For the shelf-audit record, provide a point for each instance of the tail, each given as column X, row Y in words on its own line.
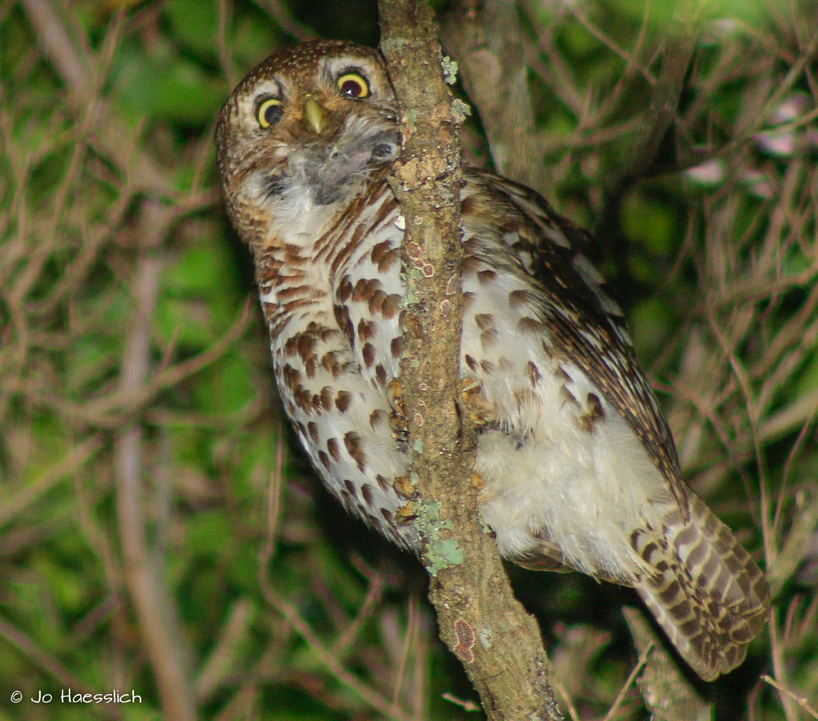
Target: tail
column 705, row 591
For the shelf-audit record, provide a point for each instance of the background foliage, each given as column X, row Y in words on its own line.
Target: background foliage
column 159, row 530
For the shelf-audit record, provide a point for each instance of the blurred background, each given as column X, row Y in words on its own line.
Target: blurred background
column 161, row 532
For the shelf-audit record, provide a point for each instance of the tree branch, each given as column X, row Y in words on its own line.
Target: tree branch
column 669, row 695
column 486, row 38
column 152, row 604
column 485, row 626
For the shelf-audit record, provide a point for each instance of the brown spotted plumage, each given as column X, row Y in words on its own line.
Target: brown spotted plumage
column 575, row 459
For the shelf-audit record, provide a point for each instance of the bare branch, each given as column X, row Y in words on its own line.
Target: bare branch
column 282, row 15
column 679, row 43
column 152, row 603
column 487, row 40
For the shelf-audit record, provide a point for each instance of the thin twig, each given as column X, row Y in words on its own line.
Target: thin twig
column 282, row 15
column 222, row 658
column 408, row 643
column 53, row 667
column 620, row 697
column 31, row 492
column 57, row 43
column 800, row 700
column 326, row 655
column 373, row 597
column 274, row 493
column 110, row 411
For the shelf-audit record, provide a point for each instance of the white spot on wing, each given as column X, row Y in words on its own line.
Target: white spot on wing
column 558, row 237
column 587, row 270
column 268, row 297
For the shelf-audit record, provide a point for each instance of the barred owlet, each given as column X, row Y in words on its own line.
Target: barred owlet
column 579, row 465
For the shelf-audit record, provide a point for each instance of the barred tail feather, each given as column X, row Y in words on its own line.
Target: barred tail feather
column 704, row 589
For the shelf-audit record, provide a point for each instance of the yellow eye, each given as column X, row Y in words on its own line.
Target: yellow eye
column 269, row 112
column 353, row 85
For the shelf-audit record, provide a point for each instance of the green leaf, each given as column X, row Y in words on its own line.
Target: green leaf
column 649, row 222
column 165, row 86
column 650, row 323
column 196, row 24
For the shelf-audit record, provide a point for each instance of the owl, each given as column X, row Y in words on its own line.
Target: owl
column 577, row 460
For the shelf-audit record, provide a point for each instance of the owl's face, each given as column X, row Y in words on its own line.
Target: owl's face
column 304, row 131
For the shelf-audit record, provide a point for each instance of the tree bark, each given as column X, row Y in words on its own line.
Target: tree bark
column 480, row 620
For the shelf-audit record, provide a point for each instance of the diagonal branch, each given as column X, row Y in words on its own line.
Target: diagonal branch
column 498, row 643
column 486, row 38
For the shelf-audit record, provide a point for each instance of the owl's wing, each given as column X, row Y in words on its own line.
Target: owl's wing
column 587, row 325
column 703, row 588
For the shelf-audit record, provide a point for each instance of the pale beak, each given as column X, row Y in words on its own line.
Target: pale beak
column 316, row 114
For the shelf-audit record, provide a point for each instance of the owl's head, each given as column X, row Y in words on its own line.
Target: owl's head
column 304, row 131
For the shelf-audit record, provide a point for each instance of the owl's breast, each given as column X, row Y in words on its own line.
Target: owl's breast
column 332, row 307
column 364, row 257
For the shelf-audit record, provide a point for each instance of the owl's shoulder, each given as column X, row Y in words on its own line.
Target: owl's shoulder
column 513, row 201
column 556, row 253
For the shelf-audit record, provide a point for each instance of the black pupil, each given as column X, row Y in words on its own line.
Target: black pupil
column 272, row 113
column 353, row 88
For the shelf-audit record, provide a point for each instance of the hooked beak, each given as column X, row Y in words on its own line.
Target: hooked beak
column 316, row 114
